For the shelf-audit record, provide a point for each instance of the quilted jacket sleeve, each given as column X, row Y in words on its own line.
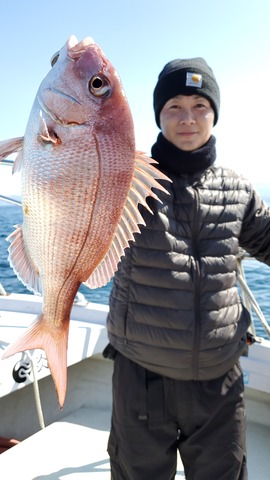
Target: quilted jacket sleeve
column 255, row 233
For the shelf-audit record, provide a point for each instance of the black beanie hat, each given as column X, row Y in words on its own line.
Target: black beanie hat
column 186, row 77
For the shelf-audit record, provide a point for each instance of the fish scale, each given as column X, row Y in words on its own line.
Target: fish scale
column 82, row 181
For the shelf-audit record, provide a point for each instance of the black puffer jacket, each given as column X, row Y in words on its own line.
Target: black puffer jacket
column 174, row 306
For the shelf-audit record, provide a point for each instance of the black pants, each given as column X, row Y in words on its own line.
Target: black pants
column 154, row 416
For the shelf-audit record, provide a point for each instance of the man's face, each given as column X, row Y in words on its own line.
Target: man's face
column 187, row 121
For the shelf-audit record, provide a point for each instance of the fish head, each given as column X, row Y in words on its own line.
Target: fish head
column 83, row 88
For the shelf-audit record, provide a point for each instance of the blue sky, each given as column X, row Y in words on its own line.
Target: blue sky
column 139, row 37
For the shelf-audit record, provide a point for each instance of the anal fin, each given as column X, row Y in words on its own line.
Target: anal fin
column 21, row 263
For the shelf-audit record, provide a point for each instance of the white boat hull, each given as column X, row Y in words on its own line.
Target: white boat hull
column 74, row 442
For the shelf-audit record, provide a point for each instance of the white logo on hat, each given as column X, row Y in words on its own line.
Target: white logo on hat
column 194, row 80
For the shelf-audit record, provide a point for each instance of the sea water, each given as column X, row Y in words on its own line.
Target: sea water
column 257, row 274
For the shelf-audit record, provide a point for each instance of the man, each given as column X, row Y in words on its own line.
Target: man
column 176, row 324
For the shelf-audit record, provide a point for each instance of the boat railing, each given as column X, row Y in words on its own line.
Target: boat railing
column 2, row 290
column 9, row 163
column 248, row 298
column 10, row 200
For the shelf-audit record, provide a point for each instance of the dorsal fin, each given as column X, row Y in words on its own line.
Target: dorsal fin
column 143, row 182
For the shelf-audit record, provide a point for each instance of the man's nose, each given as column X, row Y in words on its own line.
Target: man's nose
column 186, row 116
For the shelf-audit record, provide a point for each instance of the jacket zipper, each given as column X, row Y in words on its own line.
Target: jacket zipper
column 197, row 310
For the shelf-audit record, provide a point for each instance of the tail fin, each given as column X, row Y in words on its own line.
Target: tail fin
column 54, row 342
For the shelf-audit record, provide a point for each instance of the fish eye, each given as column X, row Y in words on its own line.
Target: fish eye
column 99, row 85
column 54, row 58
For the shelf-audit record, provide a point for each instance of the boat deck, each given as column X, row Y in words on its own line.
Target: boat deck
column 75, row 445
column 74, row 448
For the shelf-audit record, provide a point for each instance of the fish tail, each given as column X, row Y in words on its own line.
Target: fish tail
column 54, row 342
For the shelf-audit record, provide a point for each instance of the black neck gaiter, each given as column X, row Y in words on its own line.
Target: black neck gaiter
column 181, row 162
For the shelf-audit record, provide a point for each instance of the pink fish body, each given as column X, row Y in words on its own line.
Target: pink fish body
column 82, row 181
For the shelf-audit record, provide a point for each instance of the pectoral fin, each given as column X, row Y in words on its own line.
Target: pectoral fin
column 44, row 135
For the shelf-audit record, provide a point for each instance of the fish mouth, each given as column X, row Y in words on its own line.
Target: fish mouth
column 75, row 48
column 62, row 108
column 68, row 99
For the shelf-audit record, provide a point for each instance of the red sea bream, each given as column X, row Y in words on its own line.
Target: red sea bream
column 82, row 181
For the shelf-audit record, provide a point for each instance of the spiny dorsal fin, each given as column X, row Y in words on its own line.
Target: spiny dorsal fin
column 141, row 187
